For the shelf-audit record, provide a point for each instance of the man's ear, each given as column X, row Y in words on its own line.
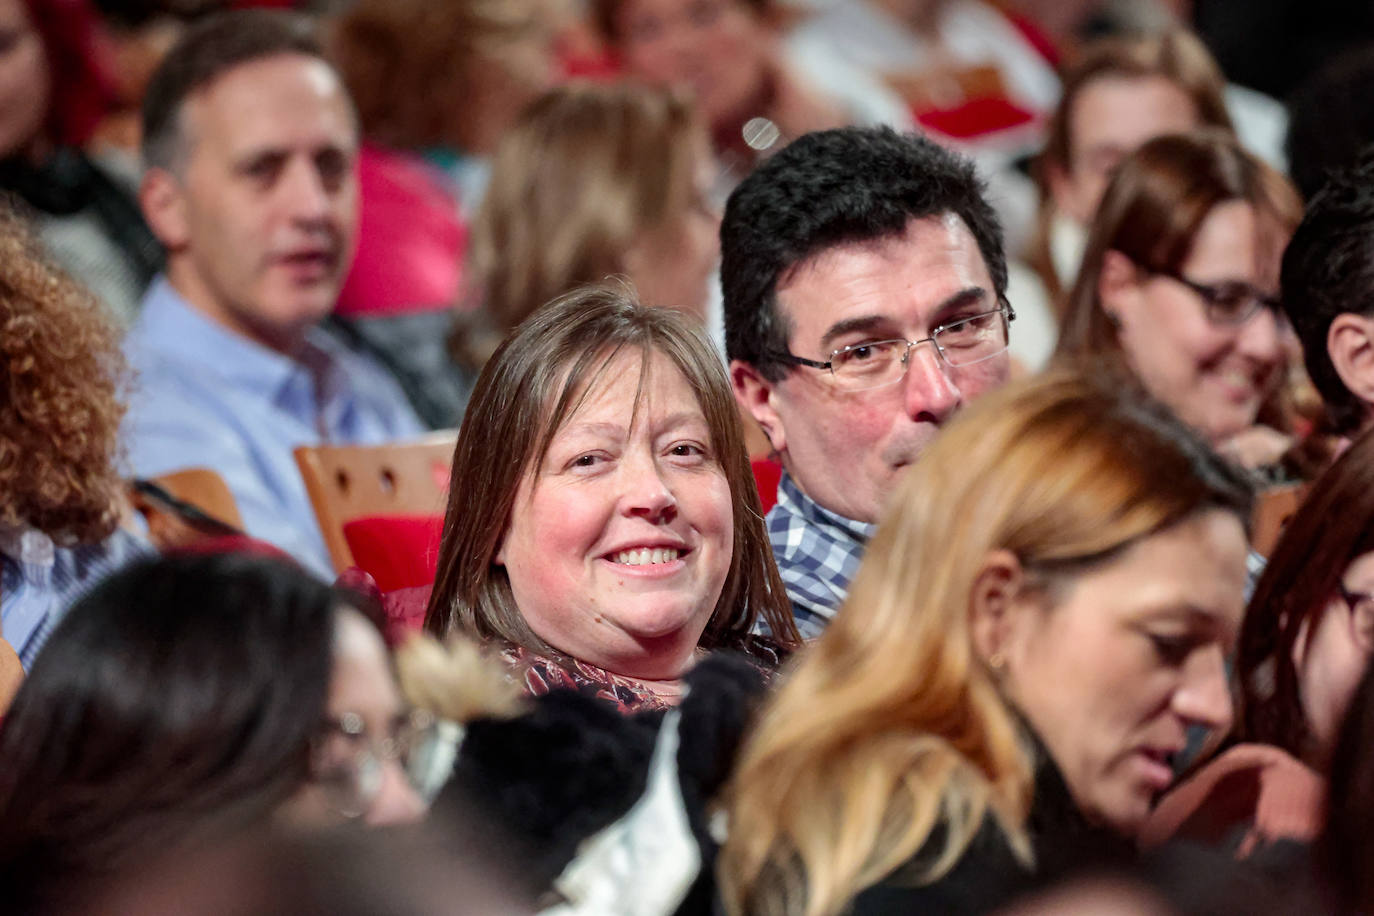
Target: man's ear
column 1350, row 345
column 163, row 202
column 994, row 602
column 757, row 396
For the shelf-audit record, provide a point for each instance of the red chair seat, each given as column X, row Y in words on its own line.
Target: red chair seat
column 767, row 474
column 399, row 551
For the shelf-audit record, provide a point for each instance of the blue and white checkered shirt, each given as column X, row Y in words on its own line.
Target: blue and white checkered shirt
column 818, row 553
column 39, row 581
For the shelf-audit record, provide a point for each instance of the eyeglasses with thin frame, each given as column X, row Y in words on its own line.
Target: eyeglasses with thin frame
column 1228, row 303
column 348, row 762
column 876, row 363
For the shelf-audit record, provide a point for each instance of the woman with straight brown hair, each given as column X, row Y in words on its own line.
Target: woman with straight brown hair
column 592, row 181
column 1117, row 94
column 603, row 526
column 1307, row 638
column 1176, row 291
column 1034, row 629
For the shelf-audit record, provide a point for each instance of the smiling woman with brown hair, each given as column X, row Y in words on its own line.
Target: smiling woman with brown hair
column 615, row 535
column 1177, row 291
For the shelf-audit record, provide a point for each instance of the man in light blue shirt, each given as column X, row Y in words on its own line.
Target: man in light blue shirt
column 250, row 144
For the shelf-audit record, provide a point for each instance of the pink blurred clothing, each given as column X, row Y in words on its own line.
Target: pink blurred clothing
column 411, row 239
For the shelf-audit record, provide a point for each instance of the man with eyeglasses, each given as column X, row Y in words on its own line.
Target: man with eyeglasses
column 864, row 286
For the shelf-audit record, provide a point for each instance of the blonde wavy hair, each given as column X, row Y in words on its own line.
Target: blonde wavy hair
column 891, row 724
column 584, row 174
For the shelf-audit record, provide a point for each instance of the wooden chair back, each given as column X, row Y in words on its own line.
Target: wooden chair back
column 209, row 510
column 352, row 481
column 11, row 676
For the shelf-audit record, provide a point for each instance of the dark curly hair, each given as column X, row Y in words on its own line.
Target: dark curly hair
column 1328, row 269
column 830, row 188
column 61, row 372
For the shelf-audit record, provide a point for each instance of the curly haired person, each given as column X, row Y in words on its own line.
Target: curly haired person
column 60, row 376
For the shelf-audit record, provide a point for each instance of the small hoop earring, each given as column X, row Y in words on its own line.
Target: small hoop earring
column 996, row 661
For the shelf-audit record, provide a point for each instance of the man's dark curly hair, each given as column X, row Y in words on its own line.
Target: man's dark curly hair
column 1328, row 269
column 827, row 189
column 61, row 371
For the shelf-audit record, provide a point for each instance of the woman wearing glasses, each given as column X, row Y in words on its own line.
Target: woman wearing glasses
column 1176, row 289
column 1307, row 638
column 1033, row 631
column 189, row 697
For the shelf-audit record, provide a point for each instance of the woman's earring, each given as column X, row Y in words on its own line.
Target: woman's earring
column 997, row 662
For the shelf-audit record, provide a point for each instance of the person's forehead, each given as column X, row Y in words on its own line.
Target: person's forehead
column 361, row 678
column 630, row 383
column 282, row 98
column 904, row 277
column 1125, row 110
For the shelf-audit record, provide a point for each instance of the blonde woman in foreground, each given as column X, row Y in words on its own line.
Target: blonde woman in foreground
column 1036, row 625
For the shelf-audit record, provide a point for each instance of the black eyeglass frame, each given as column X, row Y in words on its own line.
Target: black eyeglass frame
column 1212, row 293
column 1353, row 599
column 1004, row 308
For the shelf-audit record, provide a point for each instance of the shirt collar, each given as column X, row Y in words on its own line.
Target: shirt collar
column 28, row 547
column 175, row 325
column 791, row 497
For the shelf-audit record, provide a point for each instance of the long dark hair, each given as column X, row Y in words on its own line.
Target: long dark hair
column 1334, row 526
column 178, row 697
column 1345, row 851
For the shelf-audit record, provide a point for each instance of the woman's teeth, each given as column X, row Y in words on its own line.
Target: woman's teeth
column 645, row 556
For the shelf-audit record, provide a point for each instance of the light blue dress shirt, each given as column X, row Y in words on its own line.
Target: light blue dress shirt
column 39, row 581
column 204, row 396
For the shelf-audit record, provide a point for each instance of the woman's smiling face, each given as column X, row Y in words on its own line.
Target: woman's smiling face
column 1214, row 376
column 618, row 545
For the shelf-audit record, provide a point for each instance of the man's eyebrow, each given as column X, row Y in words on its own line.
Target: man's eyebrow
column 970, row 295
column 850, row 325
column 250, row 157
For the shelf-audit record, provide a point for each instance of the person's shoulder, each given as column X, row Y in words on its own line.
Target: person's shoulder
column 986, row 875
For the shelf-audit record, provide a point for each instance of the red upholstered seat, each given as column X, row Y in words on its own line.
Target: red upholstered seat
column 767, row 473
column 399, row 551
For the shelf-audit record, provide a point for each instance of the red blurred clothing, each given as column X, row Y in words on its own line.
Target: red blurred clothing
column 411, row 238
column 80, row 65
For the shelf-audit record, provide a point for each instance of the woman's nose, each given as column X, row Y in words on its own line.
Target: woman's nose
column 396, row 802
column 1205, row 696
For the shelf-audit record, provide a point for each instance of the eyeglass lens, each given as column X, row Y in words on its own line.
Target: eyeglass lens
column 959, row 343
